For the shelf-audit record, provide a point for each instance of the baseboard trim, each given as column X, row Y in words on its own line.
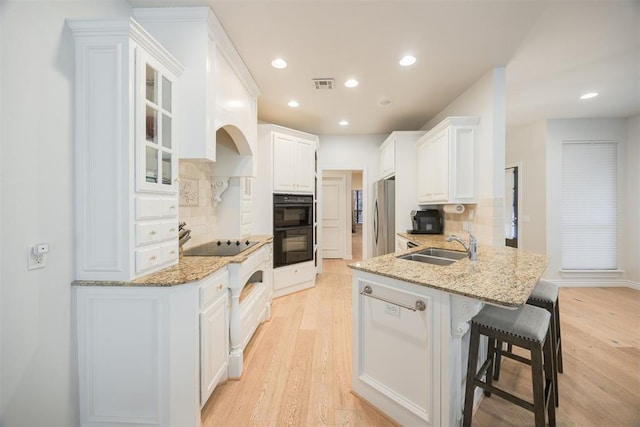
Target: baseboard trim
column 574, row 283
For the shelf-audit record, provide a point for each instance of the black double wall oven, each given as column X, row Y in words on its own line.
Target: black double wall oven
column 292, row 229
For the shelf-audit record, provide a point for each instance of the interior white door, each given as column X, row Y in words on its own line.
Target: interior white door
column 334, row 215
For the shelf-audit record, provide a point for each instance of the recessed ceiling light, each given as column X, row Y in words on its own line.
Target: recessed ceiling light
column 279, row 63
column 589, row 95
column 293, row 104
column 408, row 60
column 351, row 83
column 343, row 123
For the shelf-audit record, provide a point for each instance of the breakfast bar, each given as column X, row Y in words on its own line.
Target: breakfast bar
column 411, row 322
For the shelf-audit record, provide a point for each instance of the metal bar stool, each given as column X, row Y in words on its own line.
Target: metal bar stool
column 544, row 295
column 527, row 327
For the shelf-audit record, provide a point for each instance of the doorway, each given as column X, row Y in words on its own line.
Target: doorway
column 343, row 214
column 511, row 207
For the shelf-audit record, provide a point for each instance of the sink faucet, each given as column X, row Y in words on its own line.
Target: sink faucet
column 471, row 248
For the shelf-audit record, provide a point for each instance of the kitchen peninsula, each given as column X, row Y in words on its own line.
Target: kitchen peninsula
column 410, row 324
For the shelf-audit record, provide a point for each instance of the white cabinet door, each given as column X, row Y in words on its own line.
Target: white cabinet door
column 305, row 165
column 447, row 162
column 214, row 346
column 387, row 158
column 156, row 164
column 283, row 163
column 293, row 164
column 438, row 152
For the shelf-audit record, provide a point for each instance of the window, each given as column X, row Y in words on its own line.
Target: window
column 357, row 206
column 589, row 228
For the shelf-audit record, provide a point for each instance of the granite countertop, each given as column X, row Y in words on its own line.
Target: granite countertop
column 188, row 269
column 502, row 275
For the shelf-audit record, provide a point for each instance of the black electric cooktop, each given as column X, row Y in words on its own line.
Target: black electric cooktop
column 220, row 248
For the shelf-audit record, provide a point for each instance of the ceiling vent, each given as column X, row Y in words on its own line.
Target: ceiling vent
column 324, row 83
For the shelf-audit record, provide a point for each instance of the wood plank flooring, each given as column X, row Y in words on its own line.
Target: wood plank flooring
column 298, row 365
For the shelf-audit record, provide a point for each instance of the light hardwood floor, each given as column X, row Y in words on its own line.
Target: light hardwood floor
column 298, row 365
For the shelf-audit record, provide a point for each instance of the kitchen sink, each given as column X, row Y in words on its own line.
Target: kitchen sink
column 443, row 253
column 435, row 256
column 428, row 259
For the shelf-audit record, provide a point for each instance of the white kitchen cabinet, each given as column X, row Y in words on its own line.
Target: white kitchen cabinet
column 390, row 332
column 293, row 164
column 217, row 90
column 387, row 157
column 446, row 162
column 126, row 150
column 404, row 169
column 214, row 333
column 411, row 365
column 138, row 355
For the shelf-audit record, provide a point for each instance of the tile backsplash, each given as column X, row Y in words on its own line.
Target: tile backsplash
column 486, row 224
column 196, row 205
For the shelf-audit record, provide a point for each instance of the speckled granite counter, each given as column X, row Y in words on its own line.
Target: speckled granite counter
column 188, row 269
column 501, row 275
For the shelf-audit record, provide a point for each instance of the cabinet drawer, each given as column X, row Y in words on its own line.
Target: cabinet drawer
column 169, row 230
column 292, row 275
column 155, row 207
column 213, row 286
column 148, row 233
column 147, row 258
column 169, row 208
column 170, row 252
column 148, row 208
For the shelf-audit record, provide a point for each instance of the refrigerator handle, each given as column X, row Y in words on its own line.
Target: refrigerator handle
column 375, row 222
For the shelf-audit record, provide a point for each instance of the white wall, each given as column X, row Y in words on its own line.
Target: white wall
column 581, row 129
column 38, row 378
column 632, row 231
column 485, row 99
column 526, row 148
column 2, row 179
column 354, row 152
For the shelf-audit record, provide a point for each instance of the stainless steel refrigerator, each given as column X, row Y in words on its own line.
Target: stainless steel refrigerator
column 384, row 217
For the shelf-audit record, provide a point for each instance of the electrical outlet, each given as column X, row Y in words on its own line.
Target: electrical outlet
column 34, row 260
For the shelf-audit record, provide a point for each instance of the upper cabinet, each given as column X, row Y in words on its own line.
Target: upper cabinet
column 387, row 152
column 217, row 91
column 127, row 113
column 157, row 157
column 447, row 165
column 294, row 160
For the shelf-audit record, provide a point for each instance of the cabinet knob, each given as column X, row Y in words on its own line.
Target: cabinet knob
column 173, row 230
column 172, row 252
column 220, row 286
column 153, row 258
column 152, row 232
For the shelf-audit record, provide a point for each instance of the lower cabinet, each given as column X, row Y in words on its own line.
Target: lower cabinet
column 409, row 390
column 293, row 278
column 151, row 355
column 138, row 355
column 214, row 333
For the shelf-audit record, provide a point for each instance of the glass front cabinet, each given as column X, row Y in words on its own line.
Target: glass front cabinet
column 126, row 150
column 157, row 154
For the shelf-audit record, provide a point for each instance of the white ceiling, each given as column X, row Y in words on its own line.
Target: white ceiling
column 554, row 51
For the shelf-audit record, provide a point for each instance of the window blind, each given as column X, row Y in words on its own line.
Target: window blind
column 589, row 226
